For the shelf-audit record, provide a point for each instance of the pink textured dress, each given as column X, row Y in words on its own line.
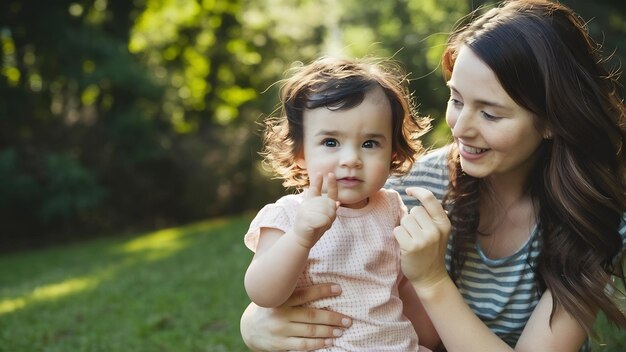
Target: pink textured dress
column 360, row 253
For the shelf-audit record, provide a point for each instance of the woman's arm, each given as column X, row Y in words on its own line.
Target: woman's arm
column 413, row 309
column 564, row 333
column 422, row 236
column 290, row 327
column 461, row 330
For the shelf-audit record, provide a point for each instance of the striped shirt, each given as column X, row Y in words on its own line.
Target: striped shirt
column 502, row 292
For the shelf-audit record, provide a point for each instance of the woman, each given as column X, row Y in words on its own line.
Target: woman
column 534, row 187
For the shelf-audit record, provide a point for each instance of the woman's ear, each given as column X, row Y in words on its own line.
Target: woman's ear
column 547, row 134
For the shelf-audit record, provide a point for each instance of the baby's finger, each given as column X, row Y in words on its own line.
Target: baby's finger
column 331, row 185
column 315, row 185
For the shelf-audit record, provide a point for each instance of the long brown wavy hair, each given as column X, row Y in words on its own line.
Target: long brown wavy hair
column 546, row 61
column 341, row 84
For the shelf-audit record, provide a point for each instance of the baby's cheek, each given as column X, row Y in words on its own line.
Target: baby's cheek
column 380, row 172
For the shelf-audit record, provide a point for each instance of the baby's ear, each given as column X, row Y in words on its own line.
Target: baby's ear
column 393, row 161
column 301, row 162
column 394, row 157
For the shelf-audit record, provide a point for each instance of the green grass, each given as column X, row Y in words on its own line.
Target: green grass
column 178, row 289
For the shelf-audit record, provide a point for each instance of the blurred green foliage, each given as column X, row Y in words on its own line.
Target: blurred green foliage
column 119, row 114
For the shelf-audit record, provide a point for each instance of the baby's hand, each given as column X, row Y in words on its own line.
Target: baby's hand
column 317, row 212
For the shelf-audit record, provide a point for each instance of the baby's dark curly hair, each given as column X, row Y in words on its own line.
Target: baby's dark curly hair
column 341, row 84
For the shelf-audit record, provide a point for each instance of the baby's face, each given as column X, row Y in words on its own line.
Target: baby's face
column 354, row 144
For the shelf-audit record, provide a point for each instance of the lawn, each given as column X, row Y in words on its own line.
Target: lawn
column 178, row 289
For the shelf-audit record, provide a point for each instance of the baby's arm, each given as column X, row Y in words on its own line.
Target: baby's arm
column 275, row 268
column 281, row 256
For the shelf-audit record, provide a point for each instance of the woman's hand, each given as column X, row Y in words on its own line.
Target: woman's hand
column 291, row 327
column 423, row 237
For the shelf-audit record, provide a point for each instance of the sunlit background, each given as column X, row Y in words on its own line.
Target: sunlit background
column 142, row 114
column 123, row 121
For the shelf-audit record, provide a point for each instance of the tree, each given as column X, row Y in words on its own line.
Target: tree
column 119, row 114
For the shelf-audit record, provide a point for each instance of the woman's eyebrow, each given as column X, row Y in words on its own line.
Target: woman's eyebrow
column 478, row 101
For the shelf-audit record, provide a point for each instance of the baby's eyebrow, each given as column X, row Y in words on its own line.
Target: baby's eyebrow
column 327, row 133
column 375, row 136
column 333, row 133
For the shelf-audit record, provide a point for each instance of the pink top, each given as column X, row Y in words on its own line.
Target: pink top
column 360, row 253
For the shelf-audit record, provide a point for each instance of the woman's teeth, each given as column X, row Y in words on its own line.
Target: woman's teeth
column 473, row 150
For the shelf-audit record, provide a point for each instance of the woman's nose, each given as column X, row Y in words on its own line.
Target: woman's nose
column 463, row 125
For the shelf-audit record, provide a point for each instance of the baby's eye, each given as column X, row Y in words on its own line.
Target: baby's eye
column 330, row 142
column 370, row 144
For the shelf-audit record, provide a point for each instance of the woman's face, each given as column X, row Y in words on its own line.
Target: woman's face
column 495, row 136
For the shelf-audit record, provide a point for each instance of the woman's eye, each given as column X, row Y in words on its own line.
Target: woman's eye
column 370, row 144
column 329, row 142
column 455, row 102
column 490, row 117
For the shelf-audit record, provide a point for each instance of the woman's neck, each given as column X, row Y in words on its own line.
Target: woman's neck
column 507, row 215
column 511, row 186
